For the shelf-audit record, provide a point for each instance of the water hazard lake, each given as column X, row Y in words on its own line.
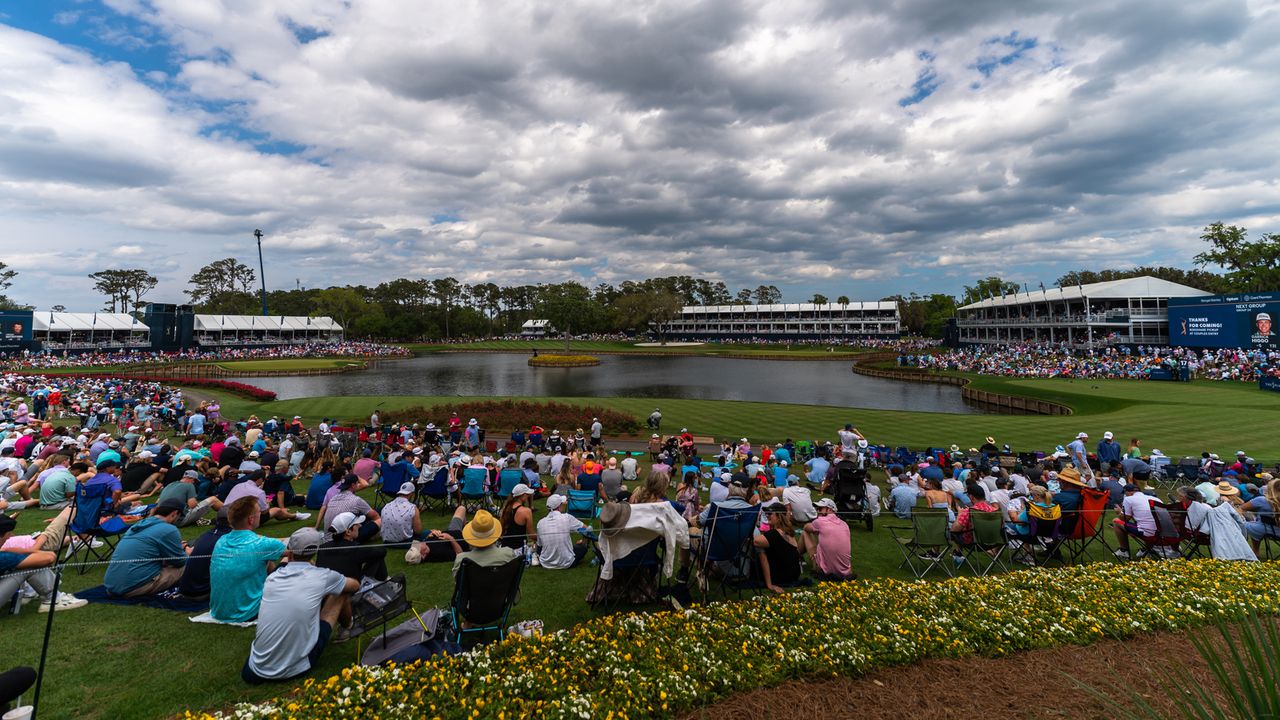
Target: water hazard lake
column 809, row 382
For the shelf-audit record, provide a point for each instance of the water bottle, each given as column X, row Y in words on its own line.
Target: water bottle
column 528, row 555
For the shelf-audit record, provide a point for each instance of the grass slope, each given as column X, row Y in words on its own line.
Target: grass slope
column 292, row 364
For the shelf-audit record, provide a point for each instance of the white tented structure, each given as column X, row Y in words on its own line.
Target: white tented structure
column 89, row 331
column 787, row 321
column 536, row 328
column 1130, row 311
column 238, row 330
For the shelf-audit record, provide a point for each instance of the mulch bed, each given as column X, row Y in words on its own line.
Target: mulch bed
column 1028, row 685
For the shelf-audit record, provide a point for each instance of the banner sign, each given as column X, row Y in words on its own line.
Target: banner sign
column 1225, row 321
column 1269, row 383
column 15, row 330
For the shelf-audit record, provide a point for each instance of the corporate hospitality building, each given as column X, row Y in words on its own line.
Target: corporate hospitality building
column 165, row 328
column 1134, row 311
column 790, row 321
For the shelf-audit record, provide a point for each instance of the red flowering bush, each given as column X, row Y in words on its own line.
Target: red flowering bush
column 249, row 391
column 512, row 414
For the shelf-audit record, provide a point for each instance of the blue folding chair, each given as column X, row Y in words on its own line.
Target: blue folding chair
column 475, row 489
column 582, row 505
column 507, row 481
column 87, row 525
column 726, row 543
column 641, row 566
column 393, row 476
column 434, row 494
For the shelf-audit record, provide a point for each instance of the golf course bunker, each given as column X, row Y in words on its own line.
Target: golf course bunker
column 807, row 382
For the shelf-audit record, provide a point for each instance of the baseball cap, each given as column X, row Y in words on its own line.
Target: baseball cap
column 555, row 501
column 826, row 503
column 191, row 474
column 1131, row 488
column 521, row 489
column 164, row 507
column 146, row 455
column 345, row 521
column 305, row 542
column 1107, row 435
column 407, row 489
column 7, row 524
column 1082, row 435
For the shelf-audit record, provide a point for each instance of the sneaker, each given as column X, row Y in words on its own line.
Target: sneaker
column 302, row 516
column 342, row 634
column 1122, row 554
column 66, row 601
column 204, row 521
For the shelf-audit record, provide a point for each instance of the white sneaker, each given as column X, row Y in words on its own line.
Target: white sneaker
column 1122, row 554
column 66, row 601
column 302, row 516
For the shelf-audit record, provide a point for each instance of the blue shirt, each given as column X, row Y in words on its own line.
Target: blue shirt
column 818, row 468
column 137, row 558
column 238, row 572
column 904, row 498
column 195, row 424
column 320, row 484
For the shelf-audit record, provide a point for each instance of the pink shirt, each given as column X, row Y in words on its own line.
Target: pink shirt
column 833, row 553
column 364, row 468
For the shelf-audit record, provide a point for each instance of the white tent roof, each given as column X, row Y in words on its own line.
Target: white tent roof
column 536, row 324
column 267, row 323
column 86, row 322
column 1144, row 286
column 791, row 307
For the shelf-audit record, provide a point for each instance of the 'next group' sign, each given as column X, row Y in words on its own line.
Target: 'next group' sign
column 1246, row 320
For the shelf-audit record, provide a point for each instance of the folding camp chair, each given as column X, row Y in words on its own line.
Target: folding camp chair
column 87, row 525
column 988, row 543
column 926, row 547
column 1168, row 537
column 475, row 489
column 507, row 481
column 377, row 605
column 1194, row 542
column 582, row 505
column 726, row 545
column 434, row 494
column 483, row 596
column 639, row 573
column 392, row 476
column 1088, row 525
column 1041, row 532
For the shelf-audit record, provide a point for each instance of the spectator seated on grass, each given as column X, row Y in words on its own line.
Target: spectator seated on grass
column 26, row 558
column 1263, row 508
column 827, row 544
column 401, row 518
column 343, row 552
column 150, row 556
column 251, row 486
column 58, row 481
column 345, row 499
column 320, row 483
column 195, row 582
column 517, row 517
column 301, row 604
column 779, row 554
column 184, row 492
column 240, row 563
column 557, row 546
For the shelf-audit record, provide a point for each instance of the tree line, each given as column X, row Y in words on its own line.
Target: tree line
column 409, row 309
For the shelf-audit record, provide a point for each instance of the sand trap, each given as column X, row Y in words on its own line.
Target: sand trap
column 670, row 344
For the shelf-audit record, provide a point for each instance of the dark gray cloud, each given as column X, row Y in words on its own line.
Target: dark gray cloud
column 723, row 138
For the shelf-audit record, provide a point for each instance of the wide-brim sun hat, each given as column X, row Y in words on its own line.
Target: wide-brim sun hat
column 482, row 531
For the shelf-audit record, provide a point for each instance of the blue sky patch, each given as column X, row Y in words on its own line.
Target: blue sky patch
column 926, row 81
column 1003, row 51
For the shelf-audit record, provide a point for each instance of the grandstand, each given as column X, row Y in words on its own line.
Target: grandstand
column 1133, row 311
column 790, row 321
column 252, row 330
column 64, row 331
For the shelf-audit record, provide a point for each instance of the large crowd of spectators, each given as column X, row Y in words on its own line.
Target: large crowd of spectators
column 1119, row 362
column 345, row 348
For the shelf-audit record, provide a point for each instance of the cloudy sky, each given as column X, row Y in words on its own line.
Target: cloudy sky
column 846, row 148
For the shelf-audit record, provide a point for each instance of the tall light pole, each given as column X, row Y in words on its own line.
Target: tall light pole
column 262, row 273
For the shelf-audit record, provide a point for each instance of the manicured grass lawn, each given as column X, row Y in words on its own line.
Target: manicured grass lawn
column 615, row 346
column 290, row 364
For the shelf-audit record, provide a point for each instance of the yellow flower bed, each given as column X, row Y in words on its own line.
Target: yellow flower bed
column 564, row 361
column 659, row 664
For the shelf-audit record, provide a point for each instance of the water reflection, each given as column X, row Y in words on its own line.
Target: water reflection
column 498, row 374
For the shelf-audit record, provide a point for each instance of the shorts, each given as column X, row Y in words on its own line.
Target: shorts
column 326, row 631
column 1131, row 528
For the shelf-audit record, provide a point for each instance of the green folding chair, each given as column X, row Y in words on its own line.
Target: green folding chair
column 927, row 547
column 989, row 545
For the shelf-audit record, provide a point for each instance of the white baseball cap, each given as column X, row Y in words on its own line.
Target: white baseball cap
column 1107, row 435
column 345, row 521
column 521, row 489
column 555, row 501
column 826, row 503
